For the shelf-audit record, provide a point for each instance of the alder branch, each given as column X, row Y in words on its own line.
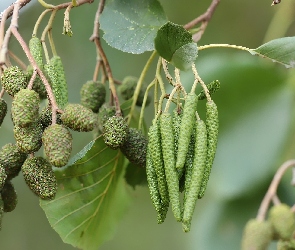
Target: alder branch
column 204, row 19
column 272, row 190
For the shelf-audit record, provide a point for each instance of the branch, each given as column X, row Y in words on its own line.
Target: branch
column 204, row 18
column 272, row 190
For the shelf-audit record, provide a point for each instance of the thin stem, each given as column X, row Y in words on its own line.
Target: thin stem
column 46, row 31
column 144, row 102
column 198, row 79
column 170, row 98
column 37, row 24
column 272, row 190
column 31, row 82
column 140, row 82
column 4, row 47
column 17, row 60
column 2, row 93
column 3, row 20
column 210, row 46
column 46, row 5
column 166, row 71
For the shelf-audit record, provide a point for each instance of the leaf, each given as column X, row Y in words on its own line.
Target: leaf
column 91, row 197
column 135, row 176
column 131, row 25
column 281, row 50
column 175, row 44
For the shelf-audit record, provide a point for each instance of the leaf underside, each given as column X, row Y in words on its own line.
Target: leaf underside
column 281, row 50
column 91, row 197
column 131, row 25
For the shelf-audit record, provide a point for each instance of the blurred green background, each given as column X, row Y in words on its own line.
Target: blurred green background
column 256, row 106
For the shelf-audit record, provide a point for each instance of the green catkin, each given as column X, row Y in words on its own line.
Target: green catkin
column 56, row 74
column 29, row 139
column 13, row 80
column 9, row 197
column 40, row 177
column 115, row 132
column 3, row 110
column 193, row 187
column 212, row 88
column 57, row 141
column 257, row 235
column 134, row 147
column 186, row 128
column 155, row 149
column 161, row 209
column 282, row 220
column 93, row 95
column 212, row 125
column 12, row 159
column 3, row 176
column 25, row 108
column 167, row 140
column 35, row 47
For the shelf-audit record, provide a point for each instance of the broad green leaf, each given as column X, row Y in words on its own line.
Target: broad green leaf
column 131, row 25
column 135, row 176
column 91, row 197
column 175, row 44
column 281, row 50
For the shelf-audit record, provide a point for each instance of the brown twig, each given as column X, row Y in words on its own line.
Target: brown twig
column 272, row 190
column 17, row 60
column 204, row 18
column 96, row 39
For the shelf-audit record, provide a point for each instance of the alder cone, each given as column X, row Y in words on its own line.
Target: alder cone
column 3, row 176
column 9, row 197
column 115, row 132
column 78, row 118
column 57, row 141
column 13, row 80
column 93, row 95
column 29, row 139
column 40, row 177
column 134, row 147
column 25, row 107
column 282, row 220
column 3, row 110
column 12, row 159
column 257, row 235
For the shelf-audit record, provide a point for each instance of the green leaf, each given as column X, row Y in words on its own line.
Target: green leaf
column 131, row 25
column 91, row 197
column 135, row 176
column 281, row 50
column 175, row 44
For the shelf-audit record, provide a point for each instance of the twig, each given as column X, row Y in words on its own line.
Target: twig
column 272, row 190
column 204, row 18
column 22, row 3
column 17, row 60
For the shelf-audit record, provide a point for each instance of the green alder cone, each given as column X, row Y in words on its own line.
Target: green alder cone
column 166, row 128
column 46, row 117
column 105, row 112
column 3, row 110
column 212, row 124
column 257, row 235
column 127, row 88
column 57, row 141
column 155, row 149
column 25, row 108
column 38, row 85
column 282, row 220
column 29, row 139
column 115, row 132
column 186, row 128
column 55, row 71
column 134, row 147
column 93, row 95
column 3, row 176
column 9, row 197
column 153, row 186
column 12, row 159
column 13, row 80
column 78, row 118
column 40, row 177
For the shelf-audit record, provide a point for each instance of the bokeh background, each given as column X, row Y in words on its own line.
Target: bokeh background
column 256, row 105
